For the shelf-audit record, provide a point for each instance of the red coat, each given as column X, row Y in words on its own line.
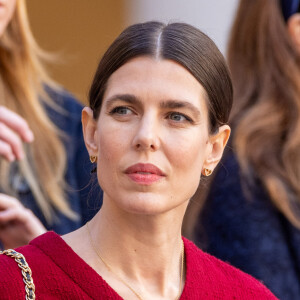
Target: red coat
column 59, row 273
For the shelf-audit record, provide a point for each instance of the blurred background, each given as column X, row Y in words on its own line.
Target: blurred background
column 80, row 31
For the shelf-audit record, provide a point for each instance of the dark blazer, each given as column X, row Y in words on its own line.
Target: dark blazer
column 249, row 232
column 83, row 193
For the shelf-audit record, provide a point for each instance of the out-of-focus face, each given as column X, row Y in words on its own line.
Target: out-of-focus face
column 151, row 137
column 293, row 29
column 7, row 8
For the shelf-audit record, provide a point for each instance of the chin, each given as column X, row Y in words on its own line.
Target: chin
column 146, row 210
column 148, row 204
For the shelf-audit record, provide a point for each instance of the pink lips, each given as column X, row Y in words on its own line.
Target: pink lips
column 144, row 173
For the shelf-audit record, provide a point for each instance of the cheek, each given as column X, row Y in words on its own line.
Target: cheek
column 188, row 151
column 187, row 157
column 112, row 142
column 108, row 156
column 107, row 146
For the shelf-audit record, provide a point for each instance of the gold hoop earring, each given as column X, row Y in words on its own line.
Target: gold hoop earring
column 93, row 158
column 207, row 172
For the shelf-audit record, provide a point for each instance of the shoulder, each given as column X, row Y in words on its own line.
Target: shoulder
column 233, row 197
column 65, row 109
column 231, row 181
column 64, row 112
column 219, row 278
column 34, row 256
column 225, row 198
column 64, row 98
column 40, row 256
column 11, row 278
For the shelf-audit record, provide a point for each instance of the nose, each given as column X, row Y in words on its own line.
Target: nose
column 147, row 135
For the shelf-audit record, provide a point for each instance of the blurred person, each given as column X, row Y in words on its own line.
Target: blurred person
column 251, row 217
column 160, row 93
column 42, row 152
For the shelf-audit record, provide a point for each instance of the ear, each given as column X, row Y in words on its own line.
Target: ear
column 217, row 143
column 293, row 27
column 89, row 127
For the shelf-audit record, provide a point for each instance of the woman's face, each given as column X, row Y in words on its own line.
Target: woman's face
column 7, row 8
column 151, row 137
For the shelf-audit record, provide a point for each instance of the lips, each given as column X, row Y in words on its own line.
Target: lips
column 144, row 173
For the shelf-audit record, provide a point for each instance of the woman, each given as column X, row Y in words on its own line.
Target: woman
column 251, row 217
column 159, row 104
column 42, row 152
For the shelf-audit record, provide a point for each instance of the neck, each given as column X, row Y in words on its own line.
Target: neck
column 151, row 247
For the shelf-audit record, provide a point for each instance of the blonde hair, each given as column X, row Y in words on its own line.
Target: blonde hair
column 22, row 80
column 265, row 69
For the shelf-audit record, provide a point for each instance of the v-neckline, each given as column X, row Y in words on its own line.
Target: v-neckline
column 78, row 270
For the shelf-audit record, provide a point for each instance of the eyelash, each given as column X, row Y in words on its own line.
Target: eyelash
column 115, row 110
column 170, row 114
column 188, row 119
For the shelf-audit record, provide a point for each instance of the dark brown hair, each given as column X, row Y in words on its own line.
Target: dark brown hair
column 265, row 68
column 178, row 42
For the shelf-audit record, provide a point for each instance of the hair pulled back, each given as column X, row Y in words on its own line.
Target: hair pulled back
column 178, row 42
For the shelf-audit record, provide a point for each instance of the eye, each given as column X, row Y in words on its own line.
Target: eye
column 121, row 110
column 179, row 117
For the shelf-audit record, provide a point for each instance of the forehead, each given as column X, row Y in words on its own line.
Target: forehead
column 146, row 77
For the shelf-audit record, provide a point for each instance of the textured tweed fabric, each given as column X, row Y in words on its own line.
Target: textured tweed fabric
column 59, row 273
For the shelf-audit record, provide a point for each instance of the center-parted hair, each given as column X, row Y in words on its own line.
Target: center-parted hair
column 181, row 43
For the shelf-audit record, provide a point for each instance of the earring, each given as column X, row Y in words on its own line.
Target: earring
column 207, row 172
column 93, row 158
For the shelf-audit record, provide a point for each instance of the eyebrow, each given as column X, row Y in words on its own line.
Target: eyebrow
column 171, row 104
column 124, row 97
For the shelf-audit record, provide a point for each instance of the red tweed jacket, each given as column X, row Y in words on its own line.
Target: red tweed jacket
column 59, row 273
